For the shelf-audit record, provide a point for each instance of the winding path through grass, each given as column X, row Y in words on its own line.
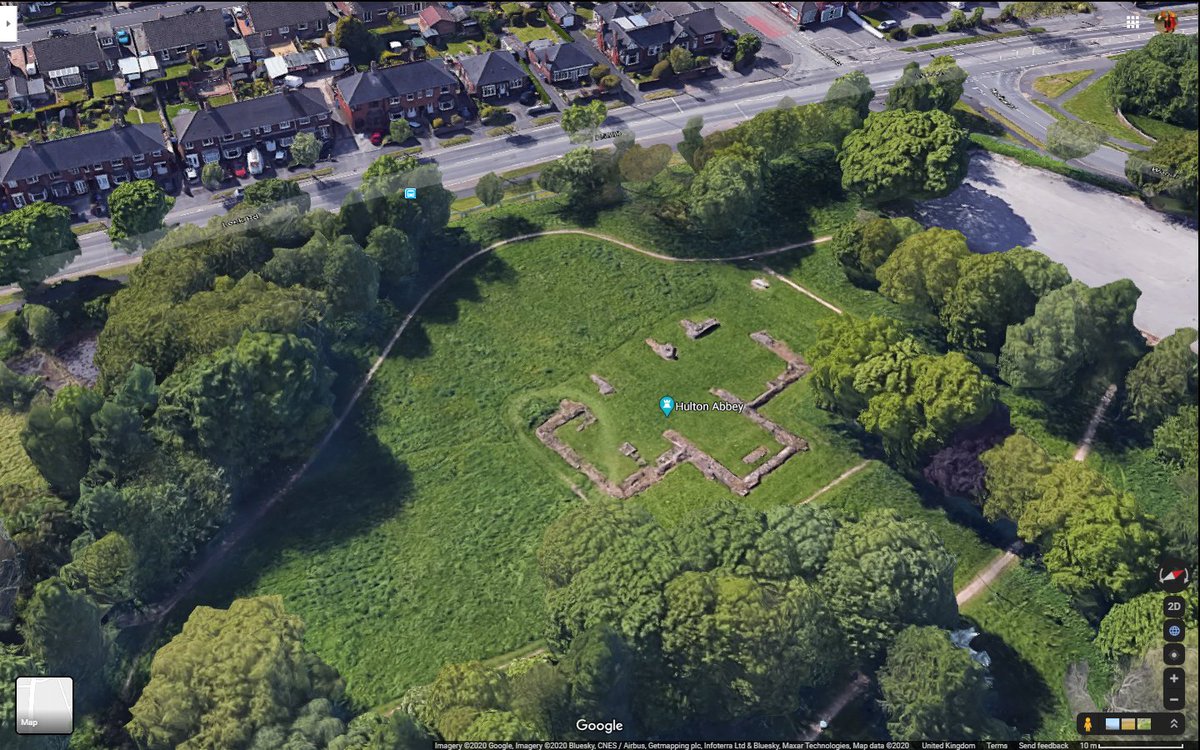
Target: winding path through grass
column 235, row 533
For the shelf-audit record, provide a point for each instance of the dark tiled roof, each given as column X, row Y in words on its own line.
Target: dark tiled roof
column 558, row 10
column 609, row 11
column 77, row 151
column 77, row 50
column 700, row 22
column 434, row 13
column 385, row 83
column 249, row 114
column 491, row 67
column 564, row 56
column 653, row 28
column 274, row 15
column 182, row 31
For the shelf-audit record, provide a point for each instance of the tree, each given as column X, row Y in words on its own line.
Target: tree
column 805, row 177
column 1105, row 548
column 118, row 441
column 306, row 149
column 227, row 674
column 923, row 269
column 642, row 164
column 272, row 192
column 41, row 323
column 212, row 175
column 393, row 253
column 599, row 668
column 1042, row 275
column 945, row 81
column 884, row 573
column 1131, row 627
column 1168, row 169
column 934, row 690
column 16, row 391
column 741, row 648
column 56, row 437
column 267, row 398
column 490, row 189
column 138, row 209
column 36, row 241
column 1159, row 80
column 374, row 731
column 1061, row 492
column 12, row 576
column 692, row 140
column 598, row 71
column 746, row 48
column 63, row 631
column 1014, row 469
column 400, row 131
column 1074, row 139
column 105, row 569
column 725, row 192
column 588, row 178
column 342, row 270
column 662, row 71
column 851, row 90
column 351, row 35
column 1176, row 439
column 843, row 344
column 681, row 60
column 911, row 91
column 862, row 245
column 795, row 544
column 582, row 121
column 991, row 294
column 610, row 82
column 1163, row 381
column 902, row 154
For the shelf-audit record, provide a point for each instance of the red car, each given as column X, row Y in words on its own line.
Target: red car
column 240, row 170
column 377, row 138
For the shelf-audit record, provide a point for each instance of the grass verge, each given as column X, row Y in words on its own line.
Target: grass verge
column 1092, row 105
column 1014, row 127
column 90, row 227
column 1035, row 159
column 1054, row 86
column 456, row 140
column 1157, row 129
column 972, row 39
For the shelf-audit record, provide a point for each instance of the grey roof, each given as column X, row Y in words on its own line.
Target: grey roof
column 36, row 159
column 564, row 56
column 385, row 83
column 491, row 67
column 646, row 30
column 700, row 22
column 274, row 15
column 23, row 87
column 181, row 31
column 559, row 10
column 609, row 11
column 76, row 50
column 251, row 113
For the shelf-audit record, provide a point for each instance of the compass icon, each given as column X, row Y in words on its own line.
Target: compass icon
column 1173, row 576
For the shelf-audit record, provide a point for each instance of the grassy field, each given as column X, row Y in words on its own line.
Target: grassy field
column 528, row 33
column 1158, row 129
column 1092, row 105
column 1058, row 84
column 1033, row 635
column 414, row 540
column 15, row 466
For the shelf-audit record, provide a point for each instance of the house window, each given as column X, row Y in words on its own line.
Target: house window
column 245, row 133
column 193, row 160
column 142, row 174
column 561, row 75
column 161, row 167
column 446, row 105
column 156, row 153
column 55, row 175
column 302, row 27
column 97, row 167
column 394, row 100
column 139, row 158
column 322, row 118
column 285, row 125
column 93, row 66
column 445, row 89
column 217, row 44
column 31, row 180
column 654, row 50
column 517, row 83
column 283, row 30
column 106, row 41
column 202, row 47
column 267, row 34
column 121, row 178
column 409, row 97
column 428, row 92
column 708, row 38
column 632, row 59
column 40, row 196
column 488, row 90
column 73, row 170
column 18, row 200
column 232, row 153
column 11, row 183
column 205, row 142
column 180, row 50
column 320, row 25
column 227, row 137
column 305, row 120
column 367, row 16
column 266, row 128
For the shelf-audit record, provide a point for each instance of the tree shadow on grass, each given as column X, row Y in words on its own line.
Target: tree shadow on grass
column 1022, row 696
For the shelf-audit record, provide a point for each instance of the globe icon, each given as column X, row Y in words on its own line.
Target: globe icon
column 1175, row 631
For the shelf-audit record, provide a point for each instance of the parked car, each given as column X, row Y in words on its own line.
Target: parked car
column 123, row 36
column 377, row 138
column 58, row 32
column 528, row 97
column 239, row 12
column 254, row 162
column 415, row 124
column 539, row 109
column 195, row 9
column 192, row 174
column 888, row 25
column 239, row 170
column 281, row 157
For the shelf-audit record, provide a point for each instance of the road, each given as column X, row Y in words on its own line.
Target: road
column 661, row 121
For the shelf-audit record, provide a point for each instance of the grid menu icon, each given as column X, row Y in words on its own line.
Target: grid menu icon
column 45, row 705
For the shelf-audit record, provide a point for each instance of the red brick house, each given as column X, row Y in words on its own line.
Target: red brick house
column 376, row 13
column 371, row 99
column 438, row 18
column 636, row 41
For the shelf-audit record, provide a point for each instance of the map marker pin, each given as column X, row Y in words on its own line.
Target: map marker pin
column 667, row 404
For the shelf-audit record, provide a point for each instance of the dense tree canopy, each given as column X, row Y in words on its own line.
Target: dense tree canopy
column 267, row 398
column 991, row 294
column 851, row 90
column 1168, row 169
column 1163, row 381
column 138, row 209
column 862, row 245
column 1074, row 139
column 272, row 191
column 586, row 177
column 341, row 269
column 1158, row 80
column 582, row 121
column 56, row 437
column 1014, row 469
column 305, row 149
column 1176, row 439
column 923, row 269
column 933, row 690
column 1041, row 274
column 884, row 573
column 904, row 154
column 490, row 189
column 938, row 86
column 228, row 674
column 36, row 241
column 63, row 631
column 725, row 191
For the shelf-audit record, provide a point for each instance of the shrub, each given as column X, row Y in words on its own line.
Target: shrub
column 388, row 56
column 41, row 323
column 24, row 122
column 702, row 61
column 922, row 29
column 610, row 82
column 438, row 122
column 516, row 18
column 661, row 70
column 599, row 72
column 456, row 119
column 898, row 34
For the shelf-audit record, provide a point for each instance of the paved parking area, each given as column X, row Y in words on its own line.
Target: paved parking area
column 1099, row 236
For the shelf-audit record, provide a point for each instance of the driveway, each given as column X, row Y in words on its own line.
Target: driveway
column 1099, row 236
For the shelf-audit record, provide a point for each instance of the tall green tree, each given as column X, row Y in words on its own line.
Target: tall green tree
column 599, row 668
column 1131, row 627
column 342, row 270
column 1169, row 169
column 394, row 254
column 1013, row 470
column 305, row 149
column 586, row 177
column 36, row 241
column 692, row 140
column 490, row 189
column 582, row 121
column 1059, row 494
column 1042, row 275
column 106, row 569
column 212, row 175
column 904, row 154
column 272, row 191
column 56, row 437
column 725, row 192
column 885, row 573
column 1163, row 381
column 63, row 631
column 851, row 90
column 1159, row 80
column 862, row 245
column 991, row 294
column 642, row 164
column 911, row 91
column 227, row 674
column 119, row 441
column 1176, row 440
column 267, row 398
column 138, row 209
column 923, row 269
column 351, row 35
column 934, row 690
column 945, row 81
column 843, row 344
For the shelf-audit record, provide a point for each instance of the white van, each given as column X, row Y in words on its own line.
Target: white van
column 254, row 162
